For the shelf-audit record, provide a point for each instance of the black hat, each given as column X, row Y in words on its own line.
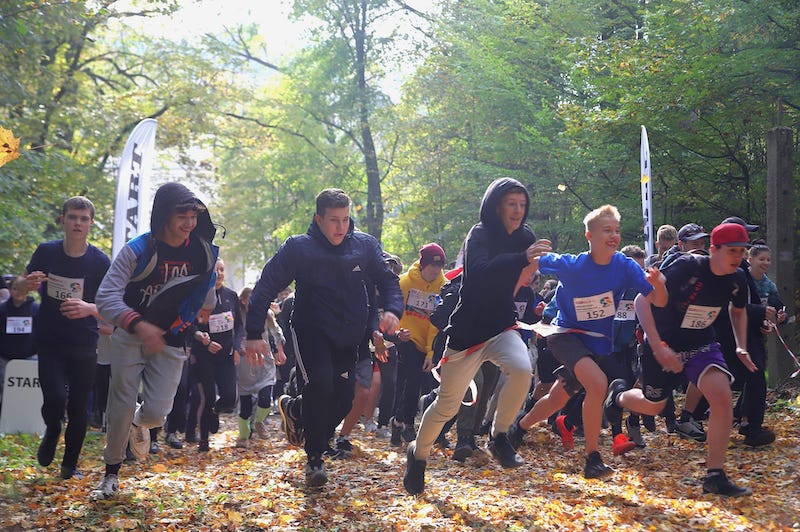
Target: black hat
column 692, row 232
column 737, row 220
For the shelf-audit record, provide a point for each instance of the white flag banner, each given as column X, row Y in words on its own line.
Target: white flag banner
column 132, row 184
column 647, row 195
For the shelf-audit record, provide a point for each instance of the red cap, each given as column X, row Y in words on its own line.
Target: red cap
column 431, row 253
column 729, row 234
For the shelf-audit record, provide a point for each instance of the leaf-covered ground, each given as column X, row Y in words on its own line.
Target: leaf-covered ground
column 656, row 488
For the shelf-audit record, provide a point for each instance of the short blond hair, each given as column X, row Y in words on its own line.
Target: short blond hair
column 600, row 212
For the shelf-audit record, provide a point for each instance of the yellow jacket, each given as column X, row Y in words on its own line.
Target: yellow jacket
column 420, row 298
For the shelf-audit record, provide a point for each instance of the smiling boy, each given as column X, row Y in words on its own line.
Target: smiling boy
column 153, row 291
column 481, row 327
column 681, row 340
column 591, row 288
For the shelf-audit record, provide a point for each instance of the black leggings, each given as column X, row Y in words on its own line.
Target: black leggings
column 246, row 401
column 216, row 373
column 66, row 375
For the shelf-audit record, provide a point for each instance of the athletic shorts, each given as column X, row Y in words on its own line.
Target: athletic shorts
column 657, row 384
column 363, row 373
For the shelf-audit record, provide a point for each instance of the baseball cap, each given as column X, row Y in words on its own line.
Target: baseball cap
column 691, row 232
column 430, row 254
column 729, row 234
column 737, row 220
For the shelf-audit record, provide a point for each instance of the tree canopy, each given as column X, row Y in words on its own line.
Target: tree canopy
column 551, row 93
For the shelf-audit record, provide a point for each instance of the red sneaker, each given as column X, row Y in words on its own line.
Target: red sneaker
column 567, row 436
column 622, row 444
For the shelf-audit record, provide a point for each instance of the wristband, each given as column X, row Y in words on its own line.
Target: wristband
column 132, row 325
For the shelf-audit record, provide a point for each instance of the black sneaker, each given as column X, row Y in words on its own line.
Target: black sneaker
column 611, row 409
column 47, row 448
column 503, row 451
column 595, row 468
column 718, row 484
column 213, row 423
column 634, row 432
column 649, row 422
column 408, row 433
column 464, row 448
column 758, row 437
column 396, row 439
column 672, row 425
column 344, row 445
column 203, row 446
column 414, row 479
column 315, row 472
column 292, row 426
column 68, row 472
column 516, row 434
column 442, row 442
column 691, row 430
column 333, row 453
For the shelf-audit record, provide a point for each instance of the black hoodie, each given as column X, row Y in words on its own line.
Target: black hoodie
column 493, row 261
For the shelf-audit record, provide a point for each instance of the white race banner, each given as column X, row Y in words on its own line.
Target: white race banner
column 647, row 195
column 132, row 184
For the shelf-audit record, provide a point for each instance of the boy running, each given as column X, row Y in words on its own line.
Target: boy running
column 592, row 285
column 681, row 340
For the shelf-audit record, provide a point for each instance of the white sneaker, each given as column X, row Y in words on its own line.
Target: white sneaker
column 370, row 426
column 139, row 441
column 383, row 432
column 106, row 489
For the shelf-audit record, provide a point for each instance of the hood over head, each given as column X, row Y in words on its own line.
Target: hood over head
column 172, row 196
column 491, row 199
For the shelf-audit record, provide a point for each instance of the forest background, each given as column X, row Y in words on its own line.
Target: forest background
column 550, row 93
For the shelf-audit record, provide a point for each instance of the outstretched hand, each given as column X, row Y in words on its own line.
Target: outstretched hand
column 255, row 351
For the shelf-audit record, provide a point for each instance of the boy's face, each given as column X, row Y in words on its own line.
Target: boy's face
column 19, row 291
column 511, row 210
column 761, row 262
column 179, row 227
column 220, row 270
column 431, row 272
column 76, row 223
column 604, row 235
column 690, row 245
column 334, row 224
column 726, row 259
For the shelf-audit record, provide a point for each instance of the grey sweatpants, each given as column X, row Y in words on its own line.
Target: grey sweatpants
column 159, row 375
column 508, row 352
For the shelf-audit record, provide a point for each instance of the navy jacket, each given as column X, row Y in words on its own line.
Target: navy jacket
column 331, row 285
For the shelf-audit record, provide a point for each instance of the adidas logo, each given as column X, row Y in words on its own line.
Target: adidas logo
column 357, row 268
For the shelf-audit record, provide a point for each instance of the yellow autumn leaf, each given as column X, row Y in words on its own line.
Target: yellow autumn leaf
column 9, row 146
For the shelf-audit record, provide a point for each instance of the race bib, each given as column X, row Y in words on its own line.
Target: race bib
column 625, row 311
column 63, row 288
column 699, row 317
column 596, row 307
column 421, row 302
column 19, row 325
column 219, row 323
